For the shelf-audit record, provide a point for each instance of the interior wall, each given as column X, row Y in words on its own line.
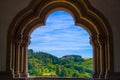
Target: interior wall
column 109, row 8
column 8, row 10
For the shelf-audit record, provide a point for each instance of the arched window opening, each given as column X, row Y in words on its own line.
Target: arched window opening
column 84, row 15
column 60, row 49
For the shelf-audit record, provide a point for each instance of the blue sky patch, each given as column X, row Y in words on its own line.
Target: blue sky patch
column 61, row 37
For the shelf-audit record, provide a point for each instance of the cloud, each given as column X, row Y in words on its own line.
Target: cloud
column 60, row 34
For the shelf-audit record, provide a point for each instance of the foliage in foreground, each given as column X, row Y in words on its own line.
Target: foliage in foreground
column 46, row 65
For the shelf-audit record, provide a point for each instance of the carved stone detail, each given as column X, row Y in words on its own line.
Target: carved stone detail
column 96, row 62
column 34, row 16
column 18, row 40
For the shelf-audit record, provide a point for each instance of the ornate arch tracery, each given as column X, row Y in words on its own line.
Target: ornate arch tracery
column 35, row 15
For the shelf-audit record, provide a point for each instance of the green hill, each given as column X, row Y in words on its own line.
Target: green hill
column 47, row 65
column 71, row 56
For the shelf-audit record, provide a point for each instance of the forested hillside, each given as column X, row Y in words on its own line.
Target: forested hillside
column 47, row 65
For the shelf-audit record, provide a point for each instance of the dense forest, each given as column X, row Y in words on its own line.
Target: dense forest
column 47, row 65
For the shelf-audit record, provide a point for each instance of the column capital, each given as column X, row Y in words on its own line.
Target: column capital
column 101, row 38
column 18, row 39
column 93, row 40
column 25, row 40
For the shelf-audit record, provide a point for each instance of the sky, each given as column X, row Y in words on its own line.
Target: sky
column 61, row 37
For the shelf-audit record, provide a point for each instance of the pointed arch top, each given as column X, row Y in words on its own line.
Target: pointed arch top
column 35, row 15
column 81, row 10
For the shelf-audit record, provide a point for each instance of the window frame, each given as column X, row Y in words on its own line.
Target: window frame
column 84, row 15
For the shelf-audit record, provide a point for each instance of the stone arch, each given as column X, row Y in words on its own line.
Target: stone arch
column 35, row 15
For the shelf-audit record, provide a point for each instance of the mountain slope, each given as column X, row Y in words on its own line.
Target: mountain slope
column 47, row 65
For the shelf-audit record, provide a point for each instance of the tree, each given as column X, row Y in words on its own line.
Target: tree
column 40, row 63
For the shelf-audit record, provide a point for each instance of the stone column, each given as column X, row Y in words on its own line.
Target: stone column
column 94, row 43
column 102, row 42
column 18, row 40
column 21, row 59
column 26, row 41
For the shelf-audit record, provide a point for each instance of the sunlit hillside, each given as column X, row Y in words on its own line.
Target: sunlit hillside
column 46, row 65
